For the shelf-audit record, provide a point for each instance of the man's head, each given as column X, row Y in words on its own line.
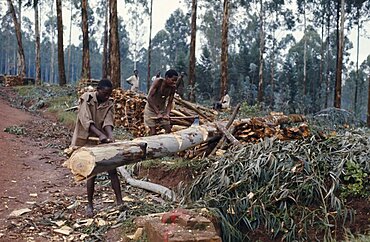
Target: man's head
column 158, row 74
column 136, row 72
column 104, row 90
column 171, row 77
column 182, row 74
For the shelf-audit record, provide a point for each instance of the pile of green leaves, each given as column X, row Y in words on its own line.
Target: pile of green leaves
column 290, row 190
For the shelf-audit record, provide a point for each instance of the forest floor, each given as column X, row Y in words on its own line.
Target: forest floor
column 38, row 196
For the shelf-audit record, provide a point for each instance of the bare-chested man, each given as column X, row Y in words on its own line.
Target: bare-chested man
column 160, row 99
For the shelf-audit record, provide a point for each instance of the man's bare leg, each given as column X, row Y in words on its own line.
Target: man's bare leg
column 167, row 128
column 153, row 130
column 90, row 195
column 116, row 185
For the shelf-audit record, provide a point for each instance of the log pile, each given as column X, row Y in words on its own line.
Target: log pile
column 11, row 81
column 87, row 85
column 129, row 112
column 282, row 127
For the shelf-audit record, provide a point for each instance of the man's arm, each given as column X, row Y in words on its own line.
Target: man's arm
column 152, row 91
column 170, row 103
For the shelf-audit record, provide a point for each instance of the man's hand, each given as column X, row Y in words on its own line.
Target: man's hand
column 103, row 138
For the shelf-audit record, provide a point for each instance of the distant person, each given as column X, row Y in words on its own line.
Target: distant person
column 134, row 81
column 159, row 102
column 224, row 103
column 95, row 119
column 180, row 85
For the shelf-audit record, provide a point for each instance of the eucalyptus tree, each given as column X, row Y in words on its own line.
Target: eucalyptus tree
column 114, row 57
column 37, row 43
column 161, row 50
column 224, row 47
column 102, row 11
column 178, row 29
column 338, row 79
column 85, row 70
column 22, row 59
column 192, row 60
column 62, row 75
column 149, row 46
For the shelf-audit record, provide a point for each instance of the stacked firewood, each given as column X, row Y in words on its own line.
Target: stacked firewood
column 129, row 112
column 87, row 85
column 11, row 81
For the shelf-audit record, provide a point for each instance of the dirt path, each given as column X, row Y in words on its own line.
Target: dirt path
column 30, row 173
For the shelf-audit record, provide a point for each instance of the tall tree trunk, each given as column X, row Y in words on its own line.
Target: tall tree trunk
column 327, row 89
column 338, row 79
column 69, row 45
column 105, row 45
column 193, row 36
column 317, row 103
column 37, row 38
column 22, row 59
column 114, row 58
column 85, row 72
column 62, row 74
column 52, row 48
column 224, row 48
column 304, row 51
column 149, row 46
column 368, row 102
column 357, row 56
column 262, row 49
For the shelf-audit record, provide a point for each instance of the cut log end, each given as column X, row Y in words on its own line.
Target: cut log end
column 81, row 163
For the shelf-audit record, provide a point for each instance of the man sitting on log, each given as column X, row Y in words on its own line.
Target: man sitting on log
column 95, row 119
column 160, row 100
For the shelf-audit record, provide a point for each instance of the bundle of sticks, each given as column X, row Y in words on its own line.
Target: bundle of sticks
column 11, row 81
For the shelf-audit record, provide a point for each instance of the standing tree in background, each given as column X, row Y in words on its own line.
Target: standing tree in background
column 338, row 79
column 85, row 71
column 37, row 43
column 368, row 102
column 192, row 50
column 261, row 51
column 62, row 75
column 224, row 48
column 22, row 59
column 114, row 57
column 105, row 65
column 149, row 45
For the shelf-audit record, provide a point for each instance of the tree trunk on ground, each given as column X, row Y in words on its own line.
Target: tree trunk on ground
column 114, row 58
column 88, row 161
column 224, row 48
column 62, row 74
column 149, row 46
column 85, row 72
column 22, row 59
column 37, row 40
column 192, row 50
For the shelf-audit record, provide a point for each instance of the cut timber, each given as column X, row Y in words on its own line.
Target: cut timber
column 89, row 161
column 149, row 186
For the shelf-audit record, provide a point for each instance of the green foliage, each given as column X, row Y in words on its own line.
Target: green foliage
column 15, row 130
column 287, row 190
column 250, row 111
column 355, row 180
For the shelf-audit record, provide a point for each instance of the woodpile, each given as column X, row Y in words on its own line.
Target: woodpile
column 87, row 85
column 129, row 112
column 11, row 81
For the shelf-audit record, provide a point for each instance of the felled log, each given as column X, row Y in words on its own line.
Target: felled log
column 89, row 161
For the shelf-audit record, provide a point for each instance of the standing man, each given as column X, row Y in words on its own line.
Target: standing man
column 180, row 85
column 134, row 81
column 95, row 119
column 159, row 102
